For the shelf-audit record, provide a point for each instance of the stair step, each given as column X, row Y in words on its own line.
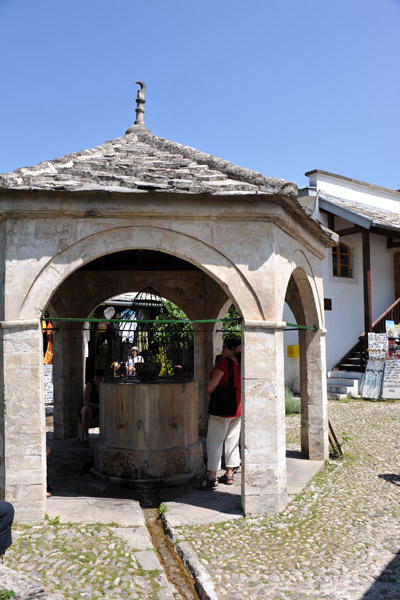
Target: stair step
column 340, row 389
column 344, row 374
column 342, row 381
column 336, row 396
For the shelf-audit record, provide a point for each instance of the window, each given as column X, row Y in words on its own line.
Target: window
column 341, row 260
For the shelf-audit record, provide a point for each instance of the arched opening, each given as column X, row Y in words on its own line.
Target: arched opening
column 95, row 286
column 301, row 301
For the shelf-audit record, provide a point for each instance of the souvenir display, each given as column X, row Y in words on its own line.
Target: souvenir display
column 382, row 373
column 377, row 345
column 391, row 381
column 372, row 380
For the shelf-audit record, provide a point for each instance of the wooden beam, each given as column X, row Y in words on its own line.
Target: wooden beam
column 350, row 230
column 391, row 243
column 331, row 221
column 367, row 280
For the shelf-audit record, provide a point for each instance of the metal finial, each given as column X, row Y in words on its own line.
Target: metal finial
column 140, row 101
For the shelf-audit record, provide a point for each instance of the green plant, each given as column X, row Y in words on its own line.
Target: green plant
column 53, row 520
column 292, row 404
column 6, row 594
column 167, row 369
column 233, row 327
column 162, row 509
column 345, row 438
column 337, row 450
column 172, row 334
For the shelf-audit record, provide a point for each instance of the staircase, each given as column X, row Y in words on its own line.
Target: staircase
column 343, row 383
column 345, row 377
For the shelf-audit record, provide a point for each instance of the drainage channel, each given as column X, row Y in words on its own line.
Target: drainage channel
column 172, row 563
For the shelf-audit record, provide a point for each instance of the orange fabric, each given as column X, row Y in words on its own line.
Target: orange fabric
column 48, row 357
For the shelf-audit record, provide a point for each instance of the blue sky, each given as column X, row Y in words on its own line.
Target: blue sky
column 278, row 86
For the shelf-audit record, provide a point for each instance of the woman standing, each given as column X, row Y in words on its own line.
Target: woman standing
column 224, row 429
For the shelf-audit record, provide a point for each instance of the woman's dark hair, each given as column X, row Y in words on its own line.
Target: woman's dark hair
column 99, row 373
column 232, row 342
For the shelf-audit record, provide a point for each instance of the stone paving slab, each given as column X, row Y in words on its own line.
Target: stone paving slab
column 138, row 537
column 224, row 503
column 148, row 560
column 87, row 510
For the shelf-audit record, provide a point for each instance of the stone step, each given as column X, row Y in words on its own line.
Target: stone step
column 332, row 396
column 339, row 389
column 345, row 374
column 341, row 381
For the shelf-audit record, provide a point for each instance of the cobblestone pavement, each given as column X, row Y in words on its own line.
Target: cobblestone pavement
column 338, row 540
column 91, row 561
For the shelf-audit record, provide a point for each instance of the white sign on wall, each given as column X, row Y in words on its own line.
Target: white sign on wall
column 372, row 380
column 391, row 380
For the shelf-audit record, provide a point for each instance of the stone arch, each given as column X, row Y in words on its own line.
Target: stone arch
column 304, row 300
column 302, row 278
column 210, row 260
column 114, row 284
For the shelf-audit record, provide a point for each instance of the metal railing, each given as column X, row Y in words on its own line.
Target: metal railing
column 378, row 326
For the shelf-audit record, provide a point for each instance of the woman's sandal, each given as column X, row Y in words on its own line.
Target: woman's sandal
column 208, row 484
column 225, row 479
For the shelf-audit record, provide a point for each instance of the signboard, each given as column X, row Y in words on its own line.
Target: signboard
column 293, row 351
column 391, row 380
column 48, row 384
column 377, row 345
column 372, row 381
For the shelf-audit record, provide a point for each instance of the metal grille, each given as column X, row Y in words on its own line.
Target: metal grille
column 169, row 344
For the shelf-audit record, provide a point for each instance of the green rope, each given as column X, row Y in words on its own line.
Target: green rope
column 187, row 321
column 161, row 322
column 295, row 326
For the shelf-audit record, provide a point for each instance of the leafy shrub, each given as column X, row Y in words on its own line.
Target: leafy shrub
column 292, row 404
column 6, row 594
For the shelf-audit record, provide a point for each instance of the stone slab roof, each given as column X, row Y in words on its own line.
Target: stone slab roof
column 374, row 217
column 144, row 162
column 141, row 162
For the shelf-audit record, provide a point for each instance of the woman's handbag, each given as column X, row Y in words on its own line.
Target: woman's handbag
column 223, row 401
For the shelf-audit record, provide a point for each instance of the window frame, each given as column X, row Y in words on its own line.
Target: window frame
column 340, row 265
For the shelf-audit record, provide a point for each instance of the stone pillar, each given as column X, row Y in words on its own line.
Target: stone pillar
column 69, row 376
column 313, row 392
column 264, row 488
column 74, row 374
column 22, row 426
column 58, row 382
column 203, row 363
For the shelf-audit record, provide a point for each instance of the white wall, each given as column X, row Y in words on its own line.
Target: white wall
column 345, row 322
column 292, row 368
column 364, row 193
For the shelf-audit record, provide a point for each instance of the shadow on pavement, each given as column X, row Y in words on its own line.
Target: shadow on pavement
column 69, row 474
column 391, row 478
column 387, row 584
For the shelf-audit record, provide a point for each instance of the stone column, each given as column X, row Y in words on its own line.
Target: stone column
column 22, row 425
column 264, row 488
column 73, row 377
column 68, row 379
column 203, row 363
column 313, row 392
column 58, row 382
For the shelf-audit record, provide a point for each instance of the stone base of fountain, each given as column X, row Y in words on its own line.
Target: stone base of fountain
column 149, row 434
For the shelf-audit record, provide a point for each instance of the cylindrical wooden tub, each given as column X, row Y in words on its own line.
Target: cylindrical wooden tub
column 149, row 434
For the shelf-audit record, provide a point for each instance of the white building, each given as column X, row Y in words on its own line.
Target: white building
column 362, row 275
